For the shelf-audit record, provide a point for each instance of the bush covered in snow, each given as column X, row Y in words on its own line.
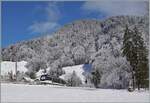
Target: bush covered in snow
column 73, row 80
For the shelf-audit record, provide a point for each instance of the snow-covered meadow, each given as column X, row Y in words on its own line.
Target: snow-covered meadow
column 54, row 93
column 8, row 66
column 50, row 93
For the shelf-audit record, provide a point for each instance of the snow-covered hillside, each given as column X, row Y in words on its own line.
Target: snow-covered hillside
column 52, row 93
column 95, row 42
column 77, row 68
column 8, row 66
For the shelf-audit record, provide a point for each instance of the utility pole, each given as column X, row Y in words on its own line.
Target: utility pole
column 16, row 59
column 16, row 69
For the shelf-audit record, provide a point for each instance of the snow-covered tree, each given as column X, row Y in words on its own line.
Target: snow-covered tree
column 56, row 69
column 79, row 54
column 34, row 65
column 73, row 80
column 20, row 76
column 66, row 61
column 11, row 76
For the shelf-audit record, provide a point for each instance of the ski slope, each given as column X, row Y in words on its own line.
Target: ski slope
column 8, row 66
column 52, row 93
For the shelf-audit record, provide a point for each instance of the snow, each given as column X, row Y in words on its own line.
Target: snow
column 53, row 93
column 28, row 79
column 77, row 68
column 8, row 66
column 47, row 82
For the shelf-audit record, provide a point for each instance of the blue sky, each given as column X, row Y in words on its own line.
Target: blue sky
column 28, row 19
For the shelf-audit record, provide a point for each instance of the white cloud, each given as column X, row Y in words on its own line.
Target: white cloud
column 53, row 12
column 51, row 20
column 113, row 8
column 43, row 27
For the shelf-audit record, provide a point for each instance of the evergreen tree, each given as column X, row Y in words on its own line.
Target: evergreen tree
column 127, row 50
column 141, row 72
column 136, row 54
column 96, row 78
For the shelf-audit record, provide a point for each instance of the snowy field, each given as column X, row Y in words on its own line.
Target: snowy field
column 49, row 93
column 8, row 66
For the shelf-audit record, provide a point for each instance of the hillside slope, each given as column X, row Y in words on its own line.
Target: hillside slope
column 82, row 33
column 92, row 42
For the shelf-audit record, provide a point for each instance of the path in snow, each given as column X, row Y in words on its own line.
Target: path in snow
column 49, row 93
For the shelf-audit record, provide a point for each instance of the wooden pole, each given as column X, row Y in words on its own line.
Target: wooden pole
column 16, row 70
